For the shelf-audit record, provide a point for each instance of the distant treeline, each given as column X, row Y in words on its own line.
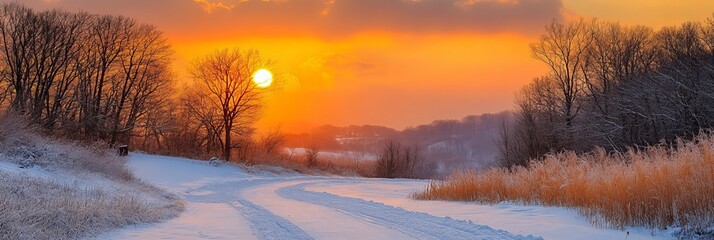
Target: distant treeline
column 443, row 145
column 615, row 87
column 365, row 138
column 81, row 75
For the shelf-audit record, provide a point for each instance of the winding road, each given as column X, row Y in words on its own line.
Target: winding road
column 229, row 202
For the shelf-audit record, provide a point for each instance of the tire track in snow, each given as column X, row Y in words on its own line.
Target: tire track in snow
column 319, row 221
column 264, row 224
column 268, row 226
column 415, row 224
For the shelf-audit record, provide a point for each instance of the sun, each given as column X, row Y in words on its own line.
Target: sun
column 263, row 78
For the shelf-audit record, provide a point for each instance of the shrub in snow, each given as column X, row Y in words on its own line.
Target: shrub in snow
column 311, row 156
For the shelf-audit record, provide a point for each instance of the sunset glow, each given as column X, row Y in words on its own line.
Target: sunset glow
column 357, row 119
column 408, row 63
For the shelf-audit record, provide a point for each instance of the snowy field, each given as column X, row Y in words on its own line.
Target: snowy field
column 334, row 155
column 228, row 202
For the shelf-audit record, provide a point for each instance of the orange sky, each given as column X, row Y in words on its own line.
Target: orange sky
column 385, row 62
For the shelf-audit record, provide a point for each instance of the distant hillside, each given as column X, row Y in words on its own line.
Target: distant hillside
column 352, row 138
column 449, row 144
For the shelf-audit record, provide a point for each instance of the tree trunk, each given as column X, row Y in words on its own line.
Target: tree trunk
column 227, row 145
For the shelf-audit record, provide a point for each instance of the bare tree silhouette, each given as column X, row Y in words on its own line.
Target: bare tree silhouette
column 226, row 77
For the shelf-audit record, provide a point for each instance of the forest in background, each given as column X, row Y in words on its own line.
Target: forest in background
column 613, row 86
column 443, row 145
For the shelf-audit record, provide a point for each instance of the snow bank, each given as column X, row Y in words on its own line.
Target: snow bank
column 51, row 189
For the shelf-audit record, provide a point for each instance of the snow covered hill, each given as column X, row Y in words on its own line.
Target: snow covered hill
column 230, row 202
column 58, row 189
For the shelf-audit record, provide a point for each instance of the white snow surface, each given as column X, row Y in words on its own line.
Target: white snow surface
column 230, row 202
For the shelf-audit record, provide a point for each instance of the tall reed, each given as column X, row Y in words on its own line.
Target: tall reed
column 657, row 187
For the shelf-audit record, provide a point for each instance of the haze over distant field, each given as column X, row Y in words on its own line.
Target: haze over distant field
column 386, row 62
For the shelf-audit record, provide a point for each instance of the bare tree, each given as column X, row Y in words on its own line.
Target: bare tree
column 144, row 68
column 225, row 75
column 388, row 163
column 92, row 75
column 563, row 48
column 17, row 29
column 55, row 47
column 412, row 164
column 98, row 68
column 505, row 144
column 208, row 121
column 401, row 161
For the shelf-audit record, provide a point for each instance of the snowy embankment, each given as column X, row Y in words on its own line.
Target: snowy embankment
column 229, row 202
column 50, row 203
column 55, row 189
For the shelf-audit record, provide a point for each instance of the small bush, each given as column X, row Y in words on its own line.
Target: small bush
column 311, row 157
column 657, row 187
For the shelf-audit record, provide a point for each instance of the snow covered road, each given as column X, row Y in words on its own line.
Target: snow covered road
column 229, row 202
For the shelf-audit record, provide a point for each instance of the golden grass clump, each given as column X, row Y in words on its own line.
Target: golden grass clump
column 657, row 187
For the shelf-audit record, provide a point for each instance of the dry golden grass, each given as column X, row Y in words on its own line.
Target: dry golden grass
column 657, row 187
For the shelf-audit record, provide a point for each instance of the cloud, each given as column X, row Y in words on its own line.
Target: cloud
column 438, row 16
column 328, row 18
column 209, row 6
column 341, row 17
column 328, row 5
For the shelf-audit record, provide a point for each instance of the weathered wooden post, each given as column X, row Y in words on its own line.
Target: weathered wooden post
column 123, row 150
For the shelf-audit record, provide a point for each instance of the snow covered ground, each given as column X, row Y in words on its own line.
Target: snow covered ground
column 228, row 202
column 335, row 155
column 59, row 202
